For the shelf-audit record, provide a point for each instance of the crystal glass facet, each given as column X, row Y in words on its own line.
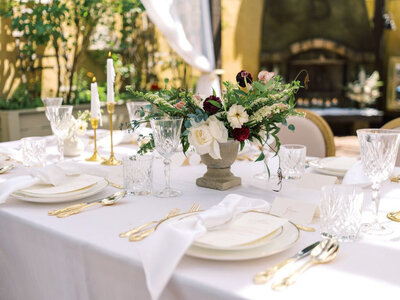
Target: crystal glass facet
column 378, row 149
column 293, row 159
column 61, row 122
column 51, row 102
column 341, row 212
column 166, row 133
column 33, row 151
column 138, row 174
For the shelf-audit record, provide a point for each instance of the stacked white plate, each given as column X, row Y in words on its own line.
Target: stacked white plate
column 250, row 235
column 75, row 188
column 335, row 165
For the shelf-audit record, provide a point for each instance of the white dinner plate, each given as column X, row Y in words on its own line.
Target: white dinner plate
column 98, row 187
column 41, row 191
column 319, row 165
column 278, row 241
column 286, row 238
column 255, row 221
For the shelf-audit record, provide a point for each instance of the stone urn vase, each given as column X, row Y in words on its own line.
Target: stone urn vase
column 73, row 146
column 219, row 175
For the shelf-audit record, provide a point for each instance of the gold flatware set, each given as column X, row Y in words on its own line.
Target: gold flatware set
column 139, row 233
column 319, row 252
column 77, row 208
column 6, row 168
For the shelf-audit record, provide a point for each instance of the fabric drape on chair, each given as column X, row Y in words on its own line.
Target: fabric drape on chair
column 186, row 24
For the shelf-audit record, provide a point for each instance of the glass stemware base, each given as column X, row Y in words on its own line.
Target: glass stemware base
column 376, row 229
column 167, row 193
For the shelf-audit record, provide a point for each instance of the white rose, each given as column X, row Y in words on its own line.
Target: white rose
column 200, row 137
column 237, row 116
column 217, row 129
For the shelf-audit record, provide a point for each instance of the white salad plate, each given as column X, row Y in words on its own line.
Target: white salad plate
column 64, row 197
column 277, row 241
column 336, row 166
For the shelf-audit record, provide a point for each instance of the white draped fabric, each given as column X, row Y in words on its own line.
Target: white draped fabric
column 186, row 24
column 82, row 257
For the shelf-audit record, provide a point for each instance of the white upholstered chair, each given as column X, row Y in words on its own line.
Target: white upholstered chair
column 394, row 124
column 312, row 131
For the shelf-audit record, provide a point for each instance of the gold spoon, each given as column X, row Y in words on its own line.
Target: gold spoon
column 394, row 216
column 105, row 202
column 325, row 252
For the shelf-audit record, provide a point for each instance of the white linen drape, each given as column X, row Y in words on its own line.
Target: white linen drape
column 186, row 24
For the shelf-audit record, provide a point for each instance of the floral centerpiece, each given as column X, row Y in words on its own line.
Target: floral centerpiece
column 248, row 110
column 365, row 90
column 74, row 146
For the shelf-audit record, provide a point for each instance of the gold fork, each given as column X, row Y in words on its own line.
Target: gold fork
column 147, row 232
column 128, row 233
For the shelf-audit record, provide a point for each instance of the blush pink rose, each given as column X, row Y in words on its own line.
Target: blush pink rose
column 265, row 76
column 179, row 105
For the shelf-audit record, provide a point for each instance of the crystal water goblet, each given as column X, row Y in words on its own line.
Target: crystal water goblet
column 61, row 122
column 378, row 149
column 51, row 102
column 166, row 134
column 293, row 159
column 340, row 211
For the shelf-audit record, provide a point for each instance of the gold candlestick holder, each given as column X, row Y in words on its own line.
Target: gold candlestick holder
column 96, row 156
column 111, row 161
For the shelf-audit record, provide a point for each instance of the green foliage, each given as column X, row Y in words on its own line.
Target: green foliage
column 21, row 99
column 267, row 105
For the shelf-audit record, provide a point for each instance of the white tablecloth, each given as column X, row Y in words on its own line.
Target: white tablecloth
column 82, row 257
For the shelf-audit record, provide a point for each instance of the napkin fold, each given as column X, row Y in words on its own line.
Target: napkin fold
column 51, row 174
column 161, row 252
column 356, row 175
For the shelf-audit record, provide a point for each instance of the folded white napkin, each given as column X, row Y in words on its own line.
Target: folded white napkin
column 52, row 174
column 161, row 252
column 356, row 175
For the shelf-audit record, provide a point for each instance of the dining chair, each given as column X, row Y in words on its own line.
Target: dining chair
column 394, row 124
column 312, row 131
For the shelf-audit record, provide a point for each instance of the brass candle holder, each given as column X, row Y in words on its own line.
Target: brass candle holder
column 96, row 156
column 111, row 161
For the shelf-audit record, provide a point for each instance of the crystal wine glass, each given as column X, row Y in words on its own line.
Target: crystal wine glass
column 134, row 109
column 379, row 149
column 61, row 121
column 166, row 133
column 51, row 102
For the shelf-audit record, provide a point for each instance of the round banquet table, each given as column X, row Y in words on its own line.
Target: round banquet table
column 82, row 257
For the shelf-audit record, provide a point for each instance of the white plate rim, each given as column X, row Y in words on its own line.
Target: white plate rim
column 315, row 166
column 65, row 194
column 254, row 253
column 66, row 198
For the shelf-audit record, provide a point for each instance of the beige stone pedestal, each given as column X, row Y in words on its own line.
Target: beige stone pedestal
column 219, row 175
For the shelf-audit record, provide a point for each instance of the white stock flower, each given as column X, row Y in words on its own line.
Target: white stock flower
column 237, row 116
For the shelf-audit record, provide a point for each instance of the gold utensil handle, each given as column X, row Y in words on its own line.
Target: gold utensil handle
column 305, row 228
column 75, row 211
column 135, row 230
column 142, row 235
column 266, row 275
column 65, row 209
column 292, row 277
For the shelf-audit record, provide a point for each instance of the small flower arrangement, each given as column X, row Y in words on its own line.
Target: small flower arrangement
column 247, row 111
column 79, row 125
column 365, row 90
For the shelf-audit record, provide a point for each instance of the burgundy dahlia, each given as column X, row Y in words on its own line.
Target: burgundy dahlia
column 209, row 107
column 241, row 134
column 241, row 76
